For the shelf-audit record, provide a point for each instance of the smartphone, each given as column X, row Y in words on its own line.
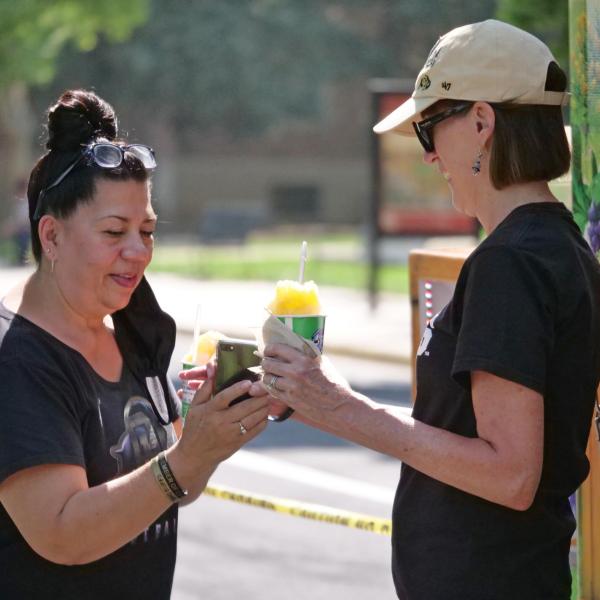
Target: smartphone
column 234, row 360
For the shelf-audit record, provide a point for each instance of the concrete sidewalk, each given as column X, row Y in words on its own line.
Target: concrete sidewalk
column 236, row 307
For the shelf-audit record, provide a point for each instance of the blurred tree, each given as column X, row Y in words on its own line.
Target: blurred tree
column 255, row 78
column 32, row 35
column 411, row 28
column 33, row 32
column 548, row 19
column 240, row 64
column 243, row 65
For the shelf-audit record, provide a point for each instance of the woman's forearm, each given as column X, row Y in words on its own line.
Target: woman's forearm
column 473, row 465
column 110, row 514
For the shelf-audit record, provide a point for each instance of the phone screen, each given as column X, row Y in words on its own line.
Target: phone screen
column 234, row 359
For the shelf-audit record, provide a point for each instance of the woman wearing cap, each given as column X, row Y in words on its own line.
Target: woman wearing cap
column 507, row 372
column 91, row 470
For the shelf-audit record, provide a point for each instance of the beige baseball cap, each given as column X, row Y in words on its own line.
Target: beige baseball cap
column 489, row 61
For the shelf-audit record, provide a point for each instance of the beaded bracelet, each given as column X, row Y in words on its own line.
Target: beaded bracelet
column 165, row 478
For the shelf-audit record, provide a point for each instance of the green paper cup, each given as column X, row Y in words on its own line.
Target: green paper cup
column 188, row 392
column 310, row 327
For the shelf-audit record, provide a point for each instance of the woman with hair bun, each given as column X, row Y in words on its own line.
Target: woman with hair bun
column 93, row 460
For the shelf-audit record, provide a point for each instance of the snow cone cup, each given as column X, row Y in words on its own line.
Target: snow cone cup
column 188, row 392
column 298, row 307
column 295, row 319
column 302, row 332
column 310, row 327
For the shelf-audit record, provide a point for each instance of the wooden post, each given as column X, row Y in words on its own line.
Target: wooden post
column 431, row 266
column 588, row 524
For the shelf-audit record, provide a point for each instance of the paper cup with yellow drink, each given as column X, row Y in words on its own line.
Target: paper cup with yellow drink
column 296, row 318
column 202, row 350
column 298, row 307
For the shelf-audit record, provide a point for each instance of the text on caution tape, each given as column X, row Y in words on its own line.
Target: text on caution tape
column 314, row 512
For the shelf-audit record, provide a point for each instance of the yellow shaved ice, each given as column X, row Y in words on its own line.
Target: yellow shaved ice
column 203, row 349
column 295, row 298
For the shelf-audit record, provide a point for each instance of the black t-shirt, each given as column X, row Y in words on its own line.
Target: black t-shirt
column 526, row 308
column 56, row 409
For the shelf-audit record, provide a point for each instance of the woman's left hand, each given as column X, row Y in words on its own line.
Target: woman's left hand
column 196, row 376
column 310, row 386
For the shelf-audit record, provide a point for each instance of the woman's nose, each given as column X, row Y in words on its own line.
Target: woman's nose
column 137, row 249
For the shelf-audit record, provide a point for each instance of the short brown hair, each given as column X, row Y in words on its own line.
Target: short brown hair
column 529, row 142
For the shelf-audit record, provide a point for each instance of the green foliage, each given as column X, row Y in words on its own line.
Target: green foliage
column 242, row 66
column 547, row 19
column 411, row 29
column 34, row 32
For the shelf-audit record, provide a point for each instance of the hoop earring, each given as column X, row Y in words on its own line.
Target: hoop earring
column 476, row 168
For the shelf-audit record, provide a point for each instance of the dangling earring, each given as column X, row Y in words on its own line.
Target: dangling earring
column 52, row 260
column 476, row 168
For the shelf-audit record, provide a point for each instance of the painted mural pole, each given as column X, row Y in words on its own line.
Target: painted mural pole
column 584, row 50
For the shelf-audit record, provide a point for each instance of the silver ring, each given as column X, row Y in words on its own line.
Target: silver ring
column 243, row 430
column 271, row 385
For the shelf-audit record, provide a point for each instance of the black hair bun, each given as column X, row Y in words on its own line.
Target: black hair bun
column 77, row 118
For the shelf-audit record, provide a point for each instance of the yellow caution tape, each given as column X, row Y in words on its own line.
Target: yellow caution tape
column 306, row 510
column 315, row 512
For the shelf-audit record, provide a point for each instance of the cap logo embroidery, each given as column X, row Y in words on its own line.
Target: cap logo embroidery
column 424, row 83
column 446, row 85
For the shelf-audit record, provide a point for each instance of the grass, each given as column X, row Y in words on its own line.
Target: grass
column 332, row 261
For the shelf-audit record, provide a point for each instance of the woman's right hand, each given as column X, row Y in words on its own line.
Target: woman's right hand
column 51, row 504
column 214, row 431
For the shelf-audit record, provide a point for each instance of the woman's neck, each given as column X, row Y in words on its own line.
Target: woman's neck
column 496, row 205
column 41, row 302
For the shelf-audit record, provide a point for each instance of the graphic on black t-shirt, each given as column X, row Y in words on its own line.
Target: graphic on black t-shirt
column 142, row 438
column 426, row 338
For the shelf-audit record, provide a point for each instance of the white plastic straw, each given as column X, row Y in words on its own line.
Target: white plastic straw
column 302, row 261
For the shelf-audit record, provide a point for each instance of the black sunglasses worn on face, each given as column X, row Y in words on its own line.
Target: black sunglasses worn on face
column 424, row 128
column 104, row 155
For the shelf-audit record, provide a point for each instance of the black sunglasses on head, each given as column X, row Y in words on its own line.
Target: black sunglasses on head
column 424, row 128
column 105, row 155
